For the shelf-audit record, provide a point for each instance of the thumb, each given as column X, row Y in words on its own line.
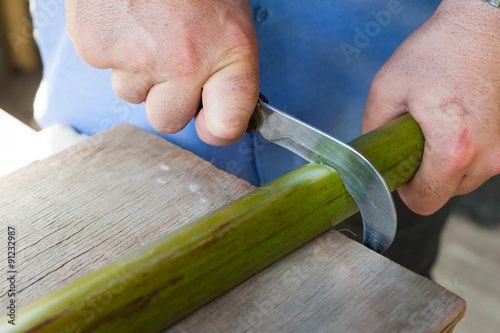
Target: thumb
column 229, row 98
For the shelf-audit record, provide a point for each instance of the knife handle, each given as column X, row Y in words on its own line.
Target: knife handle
column 254, row 122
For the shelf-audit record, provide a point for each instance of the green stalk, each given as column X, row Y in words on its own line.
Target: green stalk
column 158, row 284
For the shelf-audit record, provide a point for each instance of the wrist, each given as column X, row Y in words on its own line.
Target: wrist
column 475, row 15
column 475, row 24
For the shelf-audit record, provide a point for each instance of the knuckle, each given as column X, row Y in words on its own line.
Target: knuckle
column 140, row 61
column 424, row 207
column 129, row 95
column 495, row 167
column 242, row 38
column 91, row 40
column 468, row 184
column 90, row 49
column 424, row 210
column 378, row 85
column 165, row 126
column 230, row 128
column 185, row 59
column 131, row 91
column 454, row 152
column 239, row 42
column 457, row 160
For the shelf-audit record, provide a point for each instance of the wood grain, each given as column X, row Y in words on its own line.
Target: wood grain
column 80, row 209
column 85, row 207
column 330, row 285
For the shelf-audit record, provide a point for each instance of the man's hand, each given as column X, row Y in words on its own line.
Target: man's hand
column 447, row 75
column 171, row 54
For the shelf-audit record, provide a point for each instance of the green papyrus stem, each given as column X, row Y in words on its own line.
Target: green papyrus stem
column 156, row 285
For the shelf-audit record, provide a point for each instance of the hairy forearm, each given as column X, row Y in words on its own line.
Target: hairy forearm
column 479, row 18
column 476, row 15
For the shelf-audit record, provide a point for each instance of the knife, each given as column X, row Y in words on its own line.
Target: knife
column 361, row 178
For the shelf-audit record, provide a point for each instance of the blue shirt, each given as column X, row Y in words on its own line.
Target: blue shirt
column 317, row 59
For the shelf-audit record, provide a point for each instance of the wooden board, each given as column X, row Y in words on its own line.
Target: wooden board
column 82, row 208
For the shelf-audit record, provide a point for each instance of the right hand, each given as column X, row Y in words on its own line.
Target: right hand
column 171, row 54
column 446, row 75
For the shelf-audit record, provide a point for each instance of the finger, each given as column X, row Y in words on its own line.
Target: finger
column 171, row 105
column 437, row 180
column 469, row 183
column 229, row 99
column 70, row 18
column 131, row 88
column 482, row 169
column 86, row 39
column 386, row 100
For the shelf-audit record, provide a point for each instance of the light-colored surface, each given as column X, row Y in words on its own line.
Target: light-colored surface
column 469, row 265
column 20, row 145
column 87, row 206
column 12, row 129
column 82, row 208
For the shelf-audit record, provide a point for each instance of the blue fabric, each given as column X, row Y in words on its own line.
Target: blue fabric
column 317, row 59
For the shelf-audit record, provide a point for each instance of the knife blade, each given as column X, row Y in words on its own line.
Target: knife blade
column 361, row 178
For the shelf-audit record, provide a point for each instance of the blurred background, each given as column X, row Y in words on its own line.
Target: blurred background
column 20, row 65
column 469, row 260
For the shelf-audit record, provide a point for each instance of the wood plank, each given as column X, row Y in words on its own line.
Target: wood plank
column 78, row 210
column 332, row 284
column 85, row 207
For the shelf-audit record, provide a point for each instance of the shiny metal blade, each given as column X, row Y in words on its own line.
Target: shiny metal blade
column 361, row 178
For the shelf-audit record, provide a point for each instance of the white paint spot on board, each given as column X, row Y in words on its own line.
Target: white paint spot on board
column 161, row 181
column 164, row 167
column 202, row 200
column 194, row 187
